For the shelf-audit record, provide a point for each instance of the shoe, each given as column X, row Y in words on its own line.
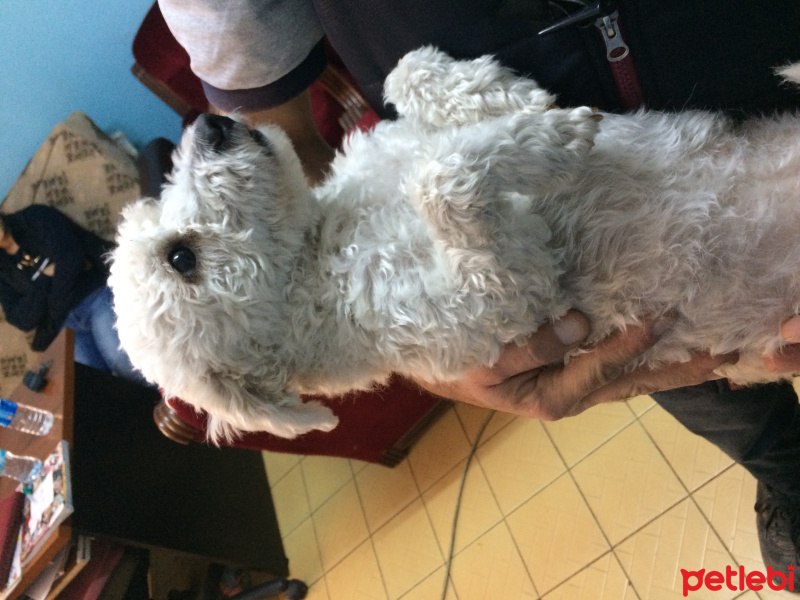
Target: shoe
column 778, row 523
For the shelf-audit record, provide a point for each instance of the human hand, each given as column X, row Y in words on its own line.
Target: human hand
column 532, row 381
column 788, row 359
column 49, row 270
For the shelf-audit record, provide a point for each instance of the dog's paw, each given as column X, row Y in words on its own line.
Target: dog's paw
column 575, row 128
column 536, row 99
column 413, row 85
column 431, row 88
column 790, row 73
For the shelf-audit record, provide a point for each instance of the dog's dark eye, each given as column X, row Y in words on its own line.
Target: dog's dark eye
column 183, row 260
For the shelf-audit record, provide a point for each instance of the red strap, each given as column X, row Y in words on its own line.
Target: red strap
column 628, row 88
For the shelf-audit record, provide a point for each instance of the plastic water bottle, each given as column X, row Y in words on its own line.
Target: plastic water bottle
column 21, row 468
column 25, row 418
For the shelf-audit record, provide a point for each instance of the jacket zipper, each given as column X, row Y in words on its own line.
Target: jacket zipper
column 620, row 62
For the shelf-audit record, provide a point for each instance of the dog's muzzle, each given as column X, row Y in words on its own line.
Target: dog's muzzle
column 218, row 133
column 214, row 131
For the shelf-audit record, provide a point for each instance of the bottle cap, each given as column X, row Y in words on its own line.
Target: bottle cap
column 8, row 410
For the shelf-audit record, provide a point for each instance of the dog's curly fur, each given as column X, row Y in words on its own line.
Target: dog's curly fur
column 480, row 214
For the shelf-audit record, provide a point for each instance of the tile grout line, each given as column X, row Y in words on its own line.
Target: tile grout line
column 477, row 445
column 484, row 439
column 568, row 471
column 608, row 552
column 594, row 516
column 282, row 477
column 664, row 456
column 708, row 519
column 369, row 533
column 288, row 532
column 474, row 445
column 691, row 492
column 505, row 517
column 313, row 511
column 438, row 479
column 420, row 493
column 593, row 450
column 689, row 495
column 323, row 577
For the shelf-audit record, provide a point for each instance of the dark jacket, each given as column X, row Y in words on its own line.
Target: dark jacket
column 32, row 300
column 706, row 54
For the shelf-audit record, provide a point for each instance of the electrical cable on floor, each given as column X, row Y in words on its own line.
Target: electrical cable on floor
column 472, row 451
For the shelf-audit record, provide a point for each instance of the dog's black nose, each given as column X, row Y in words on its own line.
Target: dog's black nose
column 214, row 130
column 183, row 260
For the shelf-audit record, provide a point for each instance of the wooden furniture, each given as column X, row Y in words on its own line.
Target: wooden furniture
column 132, row 485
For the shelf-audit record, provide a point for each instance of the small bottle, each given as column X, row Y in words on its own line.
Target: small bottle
column 21, row 468
column 24, row 418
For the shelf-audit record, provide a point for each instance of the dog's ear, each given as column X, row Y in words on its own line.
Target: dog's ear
column 253, row 408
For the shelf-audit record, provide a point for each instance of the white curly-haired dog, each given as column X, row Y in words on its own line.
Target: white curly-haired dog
column 483, row 212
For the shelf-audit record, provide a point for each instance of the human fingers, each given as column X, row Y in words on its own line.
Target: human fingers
column 554, row 392
column 550, row 343
column 606, row 362
column 787, row 360
column 702, row 367
column 790, row 330
column 493, row 387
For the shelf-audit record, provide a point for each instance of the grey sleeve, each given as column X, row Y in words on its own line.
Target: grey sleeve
column 243, row 44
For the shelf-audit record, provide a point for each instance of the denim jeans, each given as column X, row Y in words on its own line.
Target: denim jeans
column 96, row 340
column 759, row 427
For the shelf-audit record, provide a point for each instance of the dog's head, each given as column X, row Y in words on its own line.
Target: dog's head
column 201, row 279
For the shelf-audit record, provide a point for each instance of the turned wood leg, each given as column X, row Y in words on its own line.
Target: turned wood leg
column 171, row 425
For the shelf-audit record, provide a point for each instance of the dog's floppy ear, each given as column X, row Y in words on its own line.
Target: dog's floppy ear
column 253, row 408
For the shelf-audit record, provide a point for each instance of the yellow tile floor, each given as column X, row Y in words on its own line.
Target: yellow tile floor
column 607, row 505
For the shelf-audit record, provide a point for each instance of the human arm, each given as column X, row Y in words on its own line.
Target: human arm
column 25, row 311
column 532, row 381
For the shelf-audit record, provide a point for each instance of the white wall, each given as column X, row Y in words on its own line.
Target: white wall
column 58, row 56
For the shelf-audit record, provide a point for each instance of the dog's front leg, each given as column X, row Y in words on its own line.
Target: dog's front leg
column 458, row 189
column 236, row 404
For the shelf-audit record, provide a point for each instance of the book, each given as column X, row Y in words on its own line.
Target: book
column 41, row 586
column 11, row 508
column 15, row 574
column 47, row 503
